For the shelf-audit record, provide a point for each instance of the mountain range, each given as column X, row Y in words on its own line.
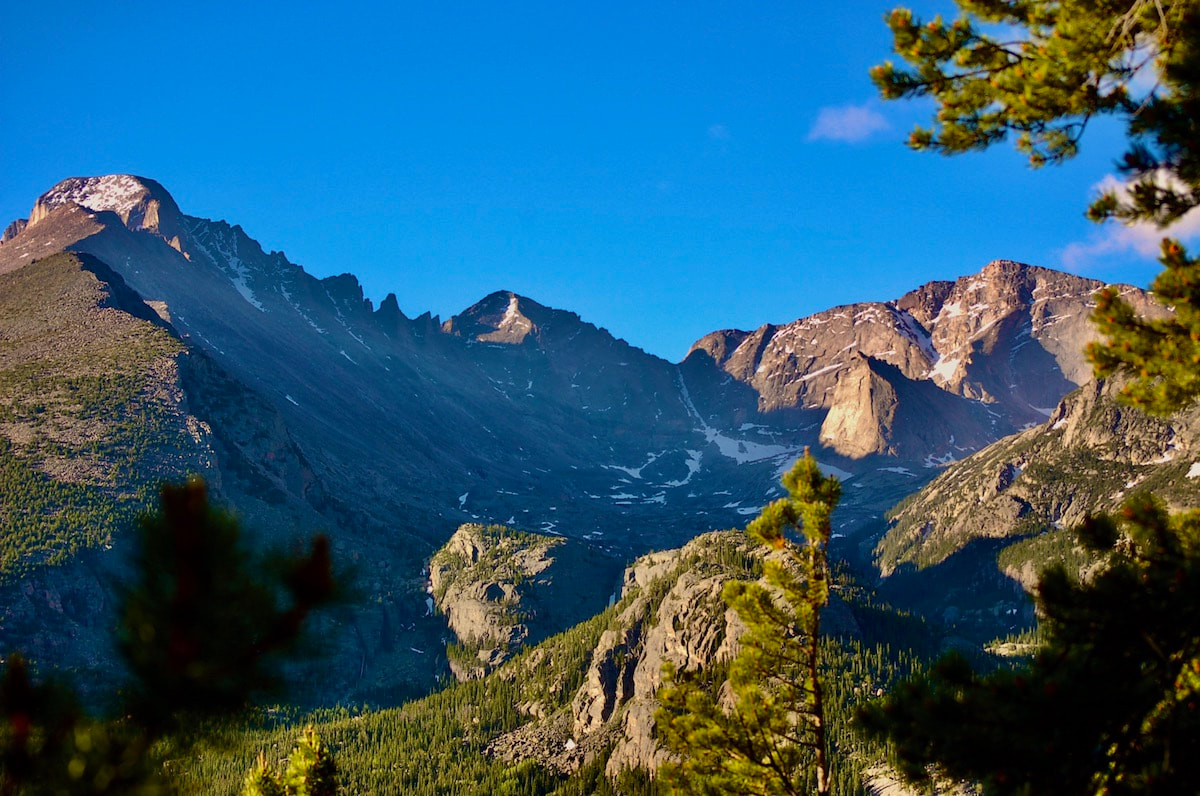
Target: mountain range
column 139, row 343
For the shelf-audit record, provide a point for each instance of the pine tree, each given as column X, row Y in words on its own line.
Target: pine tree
column 1043, row 70
column 204, row 627
column 1110, row 704
column 262, row 781
column 1159, row 357
column 311, row 771
column 772, row 740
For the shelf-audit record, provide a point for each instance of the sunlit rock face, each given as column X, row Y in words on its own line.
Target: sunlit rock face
column 1009, row 339
column 1090, row 455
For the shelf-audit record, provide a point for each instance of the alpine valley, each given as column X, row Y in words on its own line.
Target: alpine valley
column 514, row 472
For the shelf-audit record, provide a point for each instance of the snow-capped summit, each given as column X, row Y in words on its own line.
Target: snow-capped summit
column 140, row 203
column 116, row 192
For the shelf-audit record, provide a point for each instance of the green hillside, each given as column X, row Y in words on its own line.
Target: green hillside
column 447, row 743
column 90, row 414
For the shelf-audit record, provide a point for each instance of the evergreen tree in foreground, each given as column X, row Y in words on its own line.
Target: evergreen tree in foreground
column 204, row 626
column 1044, row 70
column 771, row 739
column 1110, row 704
column 1159, row 358
column 310, row 771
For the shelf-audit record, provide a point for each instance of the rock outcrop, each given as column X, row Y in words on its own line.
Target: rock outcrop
column 14, row 229
column 1089, row 456
column 863, row 413
column 500, row 589
column 691, row 629
column 671, row 612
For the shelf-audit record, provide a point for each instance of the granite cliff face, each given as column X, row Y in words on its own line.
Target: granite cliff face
column 501, row 589
column 671, row 611
column 1008, row 342
column 1089, row 456
column 691, row 628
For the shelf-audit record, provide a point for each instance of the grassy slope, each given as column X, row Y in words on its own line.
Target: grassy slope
column 89, row 412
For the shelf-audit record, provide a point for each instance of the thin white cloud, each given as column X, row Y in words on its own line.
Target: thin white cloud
column 848, row 123
column 718, row 132
column 1142, row 238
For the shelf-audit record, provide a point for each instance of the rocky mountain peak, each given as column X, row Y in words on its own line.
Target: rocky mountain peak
column 501, row 317
column 1001, row 268
column 1009, row 336
column 720, row 345
column 1014, row 272
column 140, row 203
column 1006, row 283
column 924, row 303
column 345, row 290
column 389, row 308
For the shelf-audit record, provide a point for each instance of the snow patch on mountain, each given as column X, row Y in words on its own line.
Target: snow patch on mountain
column 287, row 296
column 203, row 235
column 693, row 465
column 239, row 282
column 119, row 193
column 743, row 451
column 944, row 368
column 952, row 310
column 932, row 460
column 635, row 472
column 512, row 312
column 908, row 326
column 824, row 370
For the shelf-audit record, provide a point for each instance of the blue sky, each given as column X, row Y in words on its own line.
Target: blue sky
column 662, row 169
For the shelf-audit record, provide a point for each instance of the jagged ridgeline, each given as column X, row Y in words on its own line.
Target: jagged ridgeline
column 575, row 713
